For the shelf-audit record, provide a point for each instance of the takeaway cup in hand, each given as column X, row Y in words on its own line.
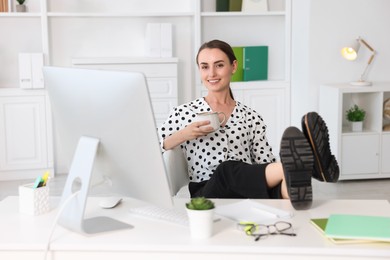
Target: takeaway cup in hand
column 213, row 117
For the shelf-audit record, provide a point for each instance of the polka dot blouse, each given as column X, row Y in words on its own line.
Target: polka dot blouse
column 243, row 138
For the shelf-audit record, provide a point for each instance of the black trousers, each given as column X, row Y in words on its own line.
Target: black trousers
column 235, row 179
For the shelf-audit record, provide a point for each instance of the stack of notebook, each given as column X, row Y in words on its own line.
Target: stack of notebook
column 342, row 228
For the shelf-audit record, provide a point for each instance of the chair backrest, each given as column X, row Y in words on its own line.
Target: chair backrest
column 177, row 169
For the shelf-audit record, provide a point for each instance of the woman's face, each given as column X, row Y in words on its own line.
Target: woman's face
column 215, row 69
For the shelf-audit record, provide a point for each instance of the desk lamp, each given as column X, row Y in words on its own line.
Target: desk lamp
column 351, row 53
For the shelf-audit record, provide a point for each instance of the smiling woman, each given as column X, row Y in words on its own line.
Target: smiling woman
column 234, row 160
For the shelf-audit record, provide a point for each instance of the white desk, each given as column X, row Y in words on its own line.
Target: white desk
column 25, row 237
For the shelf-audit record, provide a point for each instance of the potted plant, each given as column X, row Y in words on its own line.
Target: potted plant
column 201, row 217
column 356, row 116
column 21, row 7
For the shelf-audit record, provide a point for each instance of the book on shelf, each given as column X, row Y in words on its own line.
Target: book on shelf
column 239, row 74
column 222, row 5
column 235, row 5
column 255, row 63
column 343, row 226
column 228, row 5
column 252, row 63
column 4, row 6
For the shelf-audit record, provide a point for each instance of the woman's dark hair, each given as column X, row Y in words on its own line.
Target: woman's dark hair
column 223, row 46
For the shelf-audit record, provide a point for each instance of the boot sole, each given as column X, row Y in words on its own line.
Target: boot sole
column 297, row 160
column 326, row 168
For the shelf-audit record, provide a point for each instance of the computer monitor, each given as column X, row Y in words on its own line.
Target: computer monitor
column 104, row 127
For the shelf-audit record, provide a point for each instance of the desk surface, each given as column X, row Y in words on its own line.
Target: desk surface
column 24, row 235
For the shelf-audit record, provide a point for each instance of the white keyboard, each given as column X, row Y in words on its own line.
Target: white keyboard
column 170, row 215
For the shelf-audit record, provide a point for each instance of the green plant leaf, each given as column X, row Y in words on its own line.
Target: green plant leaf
column 355, row 114
column 200, row 203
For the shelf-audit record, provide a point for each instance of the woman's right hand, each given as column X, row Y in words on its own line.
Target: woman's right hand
column 197, row 129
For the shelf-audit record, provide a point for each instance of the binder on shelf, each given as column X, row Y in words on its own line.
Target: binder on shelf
column 239, row 74
column 30, row 70
column 153, row 40
column 166, row 40
column 222, row 6
column 158, row 40
column 36, row 69
column 235, row 5
column 255, row 63
column 25, row 72
column 373, row 228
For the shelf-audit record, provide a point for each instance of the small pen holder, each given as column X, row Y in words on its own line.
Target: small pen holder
column 33, row 201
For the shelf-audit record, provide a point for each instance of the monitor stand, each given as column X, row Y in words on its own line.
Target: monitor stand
column 72, row 216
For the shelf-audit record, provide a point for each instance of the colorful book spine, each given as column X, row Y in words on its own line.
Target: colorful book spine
column 222, row 5
column 255, row 64
column 235, row 5
column 239, row 74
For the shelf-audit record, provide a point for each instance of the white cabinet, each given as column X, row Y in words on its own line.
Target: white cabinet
column 385, row 165
column 25, row 144
column 361, row 155
column 160, row 73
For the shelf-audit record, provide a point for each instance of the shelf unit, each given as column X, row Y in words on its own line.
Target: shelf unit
column 66, row 30
column 361, row 155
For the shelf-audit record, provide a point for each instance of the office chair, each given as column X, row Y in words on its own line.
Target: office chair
column 176, row 166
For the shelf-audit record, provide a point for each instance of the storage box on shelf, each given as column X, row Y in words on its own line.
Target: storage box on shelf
column 361, row 155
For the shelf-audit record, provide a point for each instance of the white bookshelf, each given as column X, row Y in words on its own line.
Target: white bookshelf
column 365, row 154
column 68, row 32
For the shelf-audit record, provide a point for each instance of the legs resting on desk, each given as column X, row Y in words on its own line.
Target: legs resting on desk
column 305, row 155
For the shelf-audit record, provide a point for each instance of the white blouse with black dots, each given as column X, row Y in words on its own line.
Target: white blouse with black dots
column 243, row 138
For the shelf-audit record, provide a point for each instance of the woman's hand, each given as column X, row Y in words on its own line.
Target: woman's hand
column 197, row 129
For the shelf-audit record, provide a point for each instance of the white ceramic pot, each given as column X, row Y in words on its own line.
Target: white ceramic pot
column 357, row 126
column 201, row 223
column 21, row 8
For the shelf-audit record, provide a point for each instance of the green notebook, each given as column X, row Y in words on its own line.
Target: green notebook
column 320, row 224
column 255, row 63
column 238, row 75
column 358, row 227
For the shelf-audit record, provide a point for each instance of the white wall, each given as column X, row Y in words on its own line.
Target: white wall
column 320, row 29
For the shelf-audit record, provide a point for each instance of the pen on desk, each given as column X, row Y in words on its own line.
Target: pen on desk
column 266, row 212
